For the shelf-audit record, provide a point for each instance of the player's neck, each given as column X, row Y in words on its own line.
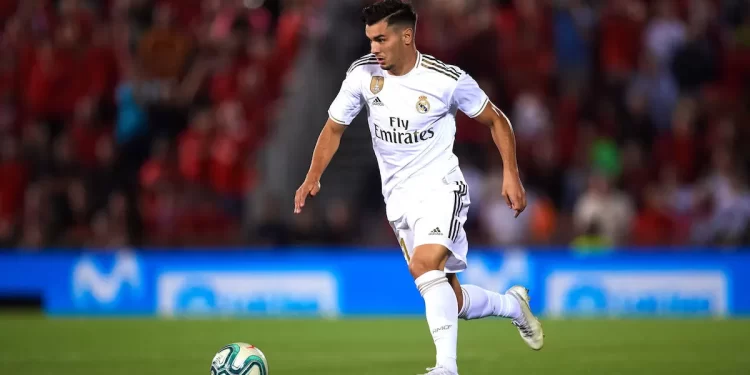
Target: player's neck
column 407, row 66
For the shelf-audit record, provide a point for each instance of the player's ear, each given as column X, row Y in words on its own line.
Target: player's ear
column 407, row 36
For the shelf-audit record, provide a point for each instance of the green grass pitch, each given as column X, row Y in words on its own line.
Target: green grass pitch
column 36, row 345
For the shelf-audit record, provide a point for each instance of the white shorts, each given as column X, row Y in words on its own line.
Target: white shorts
column 436, row 216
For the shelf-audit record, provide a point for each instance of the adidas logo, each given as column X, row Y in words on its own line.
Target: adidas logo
column 377, row 101
column 436, row 232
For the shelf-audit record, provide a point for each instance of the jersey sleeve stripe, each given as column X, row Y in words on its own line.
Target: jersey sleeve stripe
column 442, row 64
column 484, row 105
column 336, row 120
column 365, row 62
column 369, row 57
column 365, row 57
column 439, row 70
column 441, row 67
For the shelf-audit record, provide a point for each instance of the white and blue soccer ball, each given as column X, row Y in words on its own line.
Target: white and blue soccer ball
column 239, row 358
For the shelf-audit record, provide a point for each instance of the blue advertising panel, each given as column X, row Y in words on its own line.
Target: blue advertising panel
column 355, row 282
column 643, row 285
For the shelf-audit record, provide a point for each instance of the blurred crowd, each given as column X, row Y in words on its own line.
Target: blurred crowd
column 137, row 122
column 630, row 116
column 126, row 122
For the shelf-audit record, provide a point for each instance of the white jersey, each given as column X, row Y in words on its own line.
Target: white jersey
column 411, row 117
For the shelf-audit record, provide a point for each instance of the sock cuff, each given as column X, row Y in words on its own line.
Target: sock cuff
column 466, row 305
column 429, row 280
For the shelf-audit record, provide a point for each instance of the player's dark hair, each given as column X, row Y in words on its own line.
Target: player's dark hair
column 395, row 12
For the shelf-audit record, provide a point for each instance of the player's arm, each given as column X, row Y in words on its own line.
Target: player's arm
column 505, row 140
column 325, row 148
column 502, row 134
column 327, row 145
column 474, row 103
column 342, row 111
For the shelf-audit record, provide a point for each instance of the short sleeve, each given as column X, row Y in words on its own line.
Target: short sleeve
column 470, row 99
column 348, row 103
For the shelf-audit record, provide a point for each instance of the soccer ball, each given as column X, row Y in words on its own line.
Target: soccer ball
column 239, row 358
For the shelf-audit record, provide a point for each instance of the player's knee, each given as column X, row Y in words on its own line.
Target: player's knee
column 418, row 267
column 427, row 258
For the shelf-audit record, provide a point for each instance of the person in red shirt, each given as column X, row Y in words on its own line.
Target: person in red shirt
column 14, row 174
column 654, row 225
column 193, row 147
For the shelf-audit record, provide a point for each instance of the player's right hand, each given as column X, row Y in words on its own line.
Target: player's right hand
column 309, row 187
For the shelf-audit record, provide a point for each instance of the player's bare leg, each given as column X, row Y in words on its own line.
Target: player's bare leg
column 441, row 304
column 476, row 303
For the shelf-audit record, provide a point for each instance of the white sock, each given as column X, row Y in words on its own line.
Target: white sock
column 480, row 303
column 441, row 309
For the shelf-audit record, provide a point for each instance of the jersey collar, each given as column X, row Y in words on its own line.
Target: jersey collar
column 416, row 66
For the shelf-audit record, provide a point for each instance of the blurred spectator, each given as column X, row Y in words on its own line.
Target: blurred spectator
column 164, row 49
column 654, row 226
column 592, row 240
column 606, row 208
column 77, row 215
column 664, row 33
column 193, row 147
column 15, row 176
column 729, row 220
column 622, row 23
column 228, row 151
column 635, row 172
column 680, row 147
column 696, row 62
column 341, row 228
column 132, row 122
column 636, row 124
column 574, row 23
column 498, row 219
column 660, row 89
column 272, row 230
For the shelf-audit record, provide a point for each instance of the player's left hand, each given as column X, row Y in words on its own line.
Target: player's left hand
column 514, row 193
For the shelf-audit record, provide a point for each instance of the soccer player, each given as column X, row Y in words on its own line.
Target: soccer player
column 412, row 101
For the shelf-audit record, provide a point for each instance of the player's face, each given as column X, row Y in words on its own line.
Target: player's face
column 385, row 43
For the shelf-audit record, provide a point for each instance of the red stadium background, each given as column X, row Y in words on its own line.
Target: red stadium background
column 183, row 123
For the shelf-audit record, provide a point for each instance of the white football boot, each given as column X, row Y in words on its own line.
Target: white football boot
column 529, row 326
column 439, row 371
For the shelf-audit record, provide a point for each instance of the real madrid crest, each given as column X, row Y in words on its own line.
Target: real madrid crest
column 423, row 106
column 376, row 84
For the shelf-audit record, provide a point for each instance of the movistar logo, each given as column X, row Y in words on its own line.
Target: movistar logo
column 105, row 287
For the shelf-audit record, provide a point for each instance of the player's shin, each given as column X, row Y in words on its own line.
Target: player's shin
column 441, row 310
column 481, row 303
